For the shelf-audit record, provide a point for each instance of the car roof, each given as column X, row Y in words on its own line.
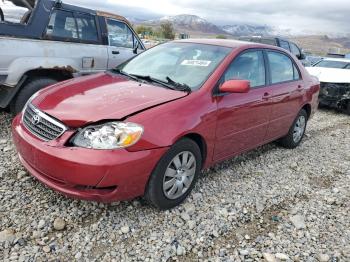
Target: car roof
column 337, row 59
column 111, row 15
column 227, row 43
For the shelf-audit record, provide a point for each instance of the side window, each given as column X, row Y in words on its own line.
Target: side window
column 87, row 27
column 284, row 45
column 119, row 34
column 295, row 50
column 62, row 25
column 281, row 66
column 248, row 66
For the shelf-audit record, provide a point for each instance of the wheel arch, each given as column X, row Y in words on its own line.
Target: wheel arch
column 307, row 108
column 200, row 141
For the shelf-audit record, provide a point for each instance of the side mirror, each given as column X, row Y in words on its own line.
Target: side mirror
column 302, row 56
column 235, row 86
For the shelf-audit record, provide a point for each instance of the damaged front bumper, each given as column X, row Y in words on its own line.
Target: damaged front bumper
column 335, row 95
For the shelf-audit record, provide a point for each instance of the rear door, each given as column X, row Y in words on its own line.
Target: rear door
column 79, row 40
column 242, row 119
column 121, row 42
column 287, row 92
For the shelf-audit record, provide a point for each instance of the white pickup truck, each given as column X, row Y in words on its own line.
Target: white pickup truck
column 55, row 42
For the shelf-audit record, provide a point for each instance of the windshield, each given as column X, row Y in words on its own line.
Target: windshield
column 333, row 64
column 188, row 64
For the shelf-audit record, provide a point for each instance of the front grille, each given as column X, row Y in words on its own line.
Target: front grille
column 42, row 125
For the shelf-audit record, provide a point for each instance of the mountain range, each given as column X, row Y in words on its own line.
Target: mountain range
column 192, row 23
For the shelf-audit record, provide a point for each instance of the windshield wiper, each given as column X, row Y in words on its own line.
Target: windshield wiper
column 178, row 86
column 121, row 72
column 168, row 84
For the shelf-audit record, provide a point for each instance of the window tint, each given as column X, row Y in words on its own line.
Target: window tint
column 284, row 45
column 248, row 66
column 281, row 66
column 62, row 25
column 119, row 34
column 295, row 50
column 87, row 27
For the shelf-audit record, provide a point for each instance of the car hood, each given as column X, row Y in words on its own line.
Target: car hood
column 330, row 75
column 100, row 97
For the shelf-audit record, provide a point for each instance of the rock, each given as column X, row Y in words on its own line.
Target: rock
column 59, row 224
column 298, row 221
column 21, row 174
column 244, row 252
column 282, row 256
column 180, row 251
column 191, row 224
column 125, row 229
column 3, row 141
column 269, row 257
column 323, row 257
column 185, row 216
column 41, row 224
column 36, row 234
column 78, row 255
column 197, row 196
column 7, row 235
column 46, row 249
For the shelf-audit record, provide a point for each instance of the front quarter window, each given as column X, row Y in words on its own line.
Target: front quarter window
column 186, row 63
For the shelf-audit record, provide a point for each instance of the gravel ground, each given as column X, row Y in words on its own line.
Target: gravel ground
column 271, row 203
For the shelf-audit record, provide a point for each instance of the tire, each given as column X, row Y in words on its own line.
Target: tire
column 347, row 108
column 27, row 91
column 295, row 135
column 160, row 190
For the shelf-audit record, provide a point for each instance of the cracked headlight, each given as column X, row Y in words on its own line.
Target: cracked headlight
column 113, row 135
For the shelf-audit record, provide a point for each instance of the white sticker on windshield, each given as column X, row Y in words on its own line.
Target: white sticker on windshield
column 196, row 63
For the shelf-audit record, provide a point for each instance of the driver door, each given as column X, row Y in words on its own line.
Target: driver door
column 242, row 119
column 121, row 43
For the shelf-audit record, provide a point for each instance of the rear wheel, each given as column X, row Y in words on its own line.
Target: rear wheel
column 175, row 175
column 30, row 88
column 347, row 109
column 296, row 132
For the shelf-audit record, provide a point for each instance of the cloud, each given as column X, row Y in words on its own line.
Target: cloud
column 310, row 16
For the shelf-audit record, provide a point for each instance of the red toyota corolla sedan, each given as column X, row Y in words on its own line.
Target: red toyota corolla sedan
column 148, row 127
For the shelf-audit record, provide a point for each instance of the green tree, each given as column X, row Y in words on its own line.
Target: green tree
column 167, row 30
column 221, row 37
column 144, row 30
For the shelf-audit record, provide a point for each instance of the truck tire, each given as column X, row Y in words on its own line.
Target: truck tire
column 30, row 88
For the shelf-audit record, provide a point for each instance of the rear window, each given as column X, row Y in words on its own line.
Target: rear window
column 68, row 26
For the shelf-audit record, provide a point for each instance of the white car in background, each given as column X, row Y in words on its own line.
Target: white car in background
column 334, row 75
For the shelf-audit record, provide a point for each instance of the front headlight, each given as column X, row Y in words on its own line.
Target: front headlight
column 113, row 135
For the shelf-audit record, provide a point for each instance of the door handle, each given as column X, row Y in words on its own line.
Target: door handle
column 267, row 96
column 115, row 52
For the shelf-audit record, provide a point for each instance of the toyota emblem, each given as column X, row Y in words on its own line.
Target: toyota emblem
column 36, row 120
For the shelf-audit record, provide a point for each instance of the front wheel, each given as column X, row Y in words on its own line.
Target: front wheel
column 296, row 132
column 175, row 175
column 27, row 91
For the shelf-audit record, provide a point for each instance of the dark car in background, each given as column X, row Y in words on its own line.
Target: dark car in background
column 280, row 42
